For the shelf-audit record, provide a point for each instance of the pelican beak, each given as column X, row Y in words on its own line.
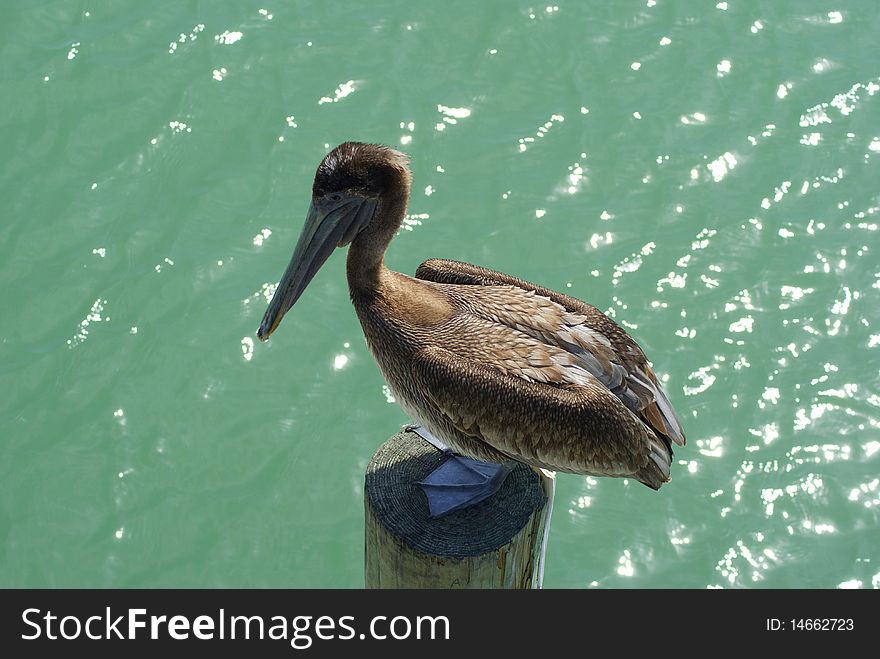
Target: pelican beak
column 331, row 222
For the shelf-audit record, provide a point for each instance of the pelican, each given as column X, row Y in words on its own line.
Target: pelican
column 495, row 367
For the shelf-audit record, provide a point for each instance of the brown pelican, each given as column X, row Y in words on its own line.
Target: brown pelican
column 497, row 368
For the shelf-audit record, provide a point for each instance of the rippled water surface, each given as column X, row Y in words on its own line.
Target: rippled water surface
column 707, row 173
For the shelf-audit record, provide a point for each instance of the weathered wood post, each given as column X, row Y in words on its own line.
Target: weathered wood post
column 494, row 544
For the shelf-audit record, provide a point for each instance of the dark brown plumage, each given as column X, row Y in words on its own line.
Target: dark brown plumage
column 496, row 367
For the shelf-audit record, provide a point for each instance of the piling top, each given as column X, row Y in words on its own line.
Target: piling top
column 392, row 490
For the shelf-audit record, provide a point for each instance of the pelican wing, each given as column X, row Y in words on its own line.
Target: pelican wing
column 595, row 342
column 579, row 428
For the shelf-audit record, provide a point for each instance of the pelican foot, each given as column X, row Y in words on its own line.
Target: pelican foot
column 462, row 482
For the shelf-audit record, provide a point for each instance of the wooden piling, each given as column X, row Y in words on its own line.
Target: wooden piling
column 493, row 544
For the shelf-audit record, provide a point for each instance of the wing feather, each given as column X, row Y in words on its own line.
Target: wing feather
column 597, row 344
column 581, row 429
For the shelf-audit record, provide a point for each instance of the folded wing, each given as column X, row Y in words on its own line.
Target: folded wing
column 579, row 428
column 587, row 341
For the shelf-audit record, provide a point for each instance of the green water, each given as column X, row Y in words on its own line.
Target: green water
column 707, row 173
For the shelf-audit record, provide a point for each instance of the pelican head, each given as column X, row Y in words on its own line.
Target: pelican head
column 351, row 184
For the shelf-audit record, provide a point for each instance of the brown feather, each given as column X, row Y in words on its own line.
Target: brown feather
column 563, row 321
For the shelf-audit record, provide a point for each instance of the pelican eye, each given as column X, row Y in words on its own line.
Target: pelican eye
column 335, row 197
